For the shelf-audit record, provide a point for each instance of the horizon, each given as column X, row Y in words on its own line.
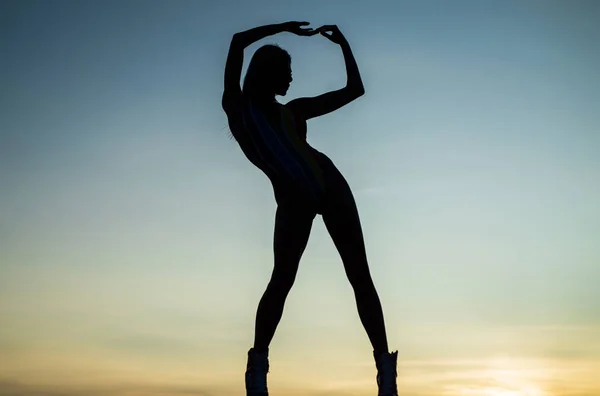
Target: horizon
column 136, row 238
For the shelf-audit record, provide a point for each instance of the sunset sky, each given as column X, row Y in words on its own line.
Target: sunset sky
column 136, row 239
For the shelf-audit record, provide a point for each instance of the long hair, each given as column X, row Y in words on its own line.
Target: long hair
column 266, row 62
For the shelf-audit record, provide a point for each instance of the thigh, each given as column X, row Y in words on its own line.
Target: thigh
column 293, row 224
column 342, row 221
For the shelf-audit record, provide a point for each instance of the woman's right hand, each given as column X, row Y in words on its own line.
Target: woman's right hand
column 332, row 32
column 296, row 28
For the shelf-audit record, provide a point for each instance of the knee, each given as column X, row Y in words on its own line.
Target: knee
column 362, row 283
column 281, row 283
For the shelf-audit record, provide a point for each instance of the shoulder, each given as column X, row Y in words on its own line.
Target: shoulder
column 297, row 120
column 292, row 108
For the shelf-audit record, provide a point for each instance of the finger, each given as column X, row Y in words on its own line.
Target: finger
column 326, row 35
column 308, row 32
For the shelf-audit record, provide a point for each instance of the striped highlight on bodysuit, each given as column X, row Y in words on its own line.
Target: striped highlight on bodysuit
column 280, row 153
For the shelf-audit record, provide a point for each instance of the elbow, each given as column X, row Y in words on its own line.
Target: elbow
column 354, row 90
column 236, row 40
column 358, row 91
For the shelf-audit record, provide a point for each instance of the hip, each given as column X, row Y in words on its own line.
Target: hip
column 310, row 196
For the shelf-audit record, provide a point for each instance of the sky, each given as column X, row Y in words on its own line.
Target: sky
column 136, row 239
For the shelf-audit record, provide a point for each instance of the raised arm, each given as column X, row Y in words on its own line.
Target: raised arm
column 326, row 103
column 235, row 58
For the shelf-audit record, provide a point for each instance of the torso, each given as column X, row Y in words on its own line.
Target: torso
column 274, row 140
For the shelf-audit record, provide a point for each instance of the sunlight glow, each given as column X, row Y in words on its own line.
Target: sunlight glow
column 505, row 376
column 493, row 391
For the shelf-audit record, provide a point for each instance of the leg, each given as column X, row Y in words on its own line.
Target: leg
column 340, row 216
column 292, row 229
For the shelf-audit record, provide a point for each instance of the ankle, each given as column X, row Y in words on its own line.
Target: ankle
column 261, row 350
column 377, row 353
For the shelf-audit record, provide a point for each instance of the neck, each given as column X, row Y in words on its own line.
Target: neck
column 263, row 99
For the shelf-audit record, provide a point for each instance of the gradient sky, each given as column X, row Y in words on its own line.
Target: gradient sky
column 135, row 238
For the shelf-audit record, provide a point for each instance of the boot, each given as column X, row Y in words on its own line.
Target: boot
column 386, row 373
column 256, row 373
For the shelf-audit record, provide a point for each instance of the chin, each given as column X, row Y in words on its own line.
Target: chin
column 283, row 91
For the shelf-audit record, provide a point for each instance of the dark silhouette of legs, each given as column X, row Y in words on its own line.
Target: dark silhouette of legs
column 292, row 229
column 340, row 216
column 293, row 223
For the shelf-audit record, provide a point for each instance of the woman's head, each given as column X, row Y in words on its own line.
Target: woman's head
column 269, row 72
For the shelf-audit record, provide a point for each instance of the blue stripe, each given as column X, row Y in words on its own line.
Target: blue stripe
column 279, row 157
column 278, row 151
column 257, row 148
column 291, row 161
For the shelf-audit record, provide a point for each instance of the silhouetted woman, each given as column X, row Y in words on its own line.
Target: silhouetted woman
column 305, row 183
